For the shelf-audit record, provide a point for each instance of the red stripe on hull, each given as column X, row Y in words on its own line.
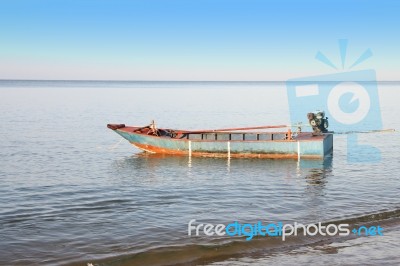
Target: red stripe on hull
column 154, row 149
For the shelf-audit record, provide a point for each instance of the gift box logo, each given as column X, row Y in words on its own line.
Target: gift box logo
column 349, row 98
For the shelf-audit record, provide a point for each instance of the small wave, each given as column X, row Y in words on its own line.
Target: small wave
column 195, row 254
column 61, row 211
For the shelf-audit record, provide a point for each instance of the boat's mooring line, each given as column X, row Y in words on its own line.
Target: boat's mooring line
column 116, row 144
column 367, row 131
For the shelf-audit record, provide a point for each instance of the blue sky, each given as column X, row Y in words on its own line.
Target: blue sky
column 193, row 40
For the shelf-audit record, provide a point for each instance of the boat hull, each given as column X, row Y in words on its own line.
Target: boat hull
column 305, row 145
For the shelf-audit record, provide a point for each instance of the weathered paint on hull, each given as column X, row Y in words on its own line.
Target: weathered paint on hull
column 304, row 146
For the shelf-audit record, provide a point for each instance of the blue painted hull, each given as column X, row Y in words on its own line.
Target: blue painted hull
column 302, row 146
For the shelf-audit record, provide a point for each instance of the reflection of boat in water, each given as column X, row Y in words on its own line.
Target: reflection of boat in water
column 233, row 142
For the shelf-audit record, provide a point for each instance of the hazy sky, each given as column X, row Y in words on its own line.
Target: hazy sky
column 194, row 40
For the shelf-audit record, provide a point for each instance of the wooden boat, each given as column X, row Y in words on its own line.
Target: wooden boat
column 231, row 142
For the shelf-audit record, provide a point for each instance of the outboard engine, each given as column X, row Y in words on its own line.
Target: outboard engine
column 318, row 122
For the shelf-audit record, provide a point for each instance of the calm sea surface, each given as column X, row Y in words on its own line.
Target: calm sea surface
column 72, row 193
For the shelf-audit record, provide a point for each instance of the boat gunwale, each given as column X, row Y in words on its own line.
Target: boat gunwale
column 311, row 137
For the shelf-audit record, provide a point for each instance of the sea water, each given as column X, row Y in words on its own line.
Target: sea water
column 73, row 193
